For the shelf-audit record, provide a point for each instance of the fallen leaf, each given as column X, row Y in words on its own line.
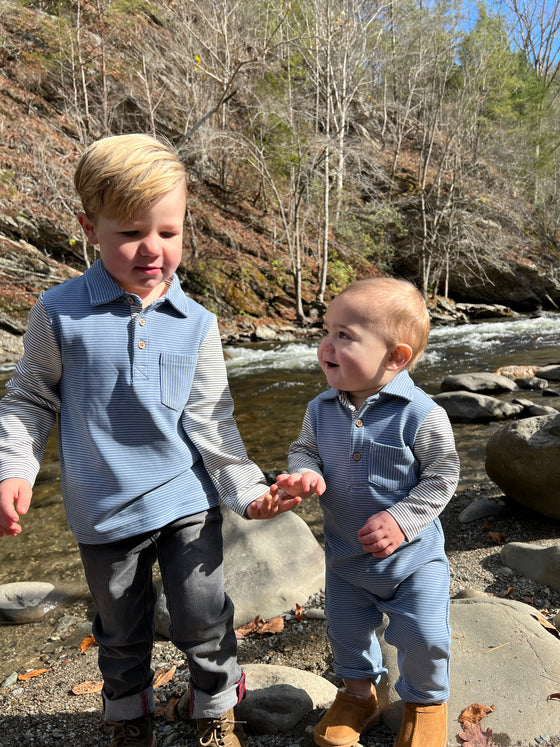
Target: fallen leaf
column 30, row 675
column 299, row 612
column 161, row 677
column 496, row 537
column 510, row 591
column 261, row 627
column 87, row 643
column 546, row 624
column 554, row 696
column 87, row 687
column 474, row 713
column 168, row 711
column 488, row 524
column 473, row 736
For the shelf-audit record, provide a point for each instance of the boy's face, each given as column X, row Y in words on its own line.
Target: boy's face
column 353, row 357
column 142, row 253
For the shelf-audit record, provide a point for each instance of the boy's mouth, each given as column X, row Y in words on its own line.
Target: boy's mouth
column 330, row 364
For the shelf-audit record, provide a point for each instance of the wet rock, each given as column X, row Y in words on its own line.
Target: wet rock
column 542, row 564
column 469, row 407
column 523, row 459
column 531, row 382
column 550, row 373
column 27, row 601
column 478, row 382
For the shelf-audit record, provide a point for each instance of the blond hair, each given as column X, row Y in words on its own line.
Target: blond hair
column 397, row 310
column 121, row 174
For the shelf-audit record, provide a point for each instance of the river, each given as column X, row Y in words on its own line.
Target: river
column 271, row 384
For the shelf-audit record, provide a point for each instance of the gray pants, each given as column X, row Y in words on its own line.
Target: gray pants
column 119, row 575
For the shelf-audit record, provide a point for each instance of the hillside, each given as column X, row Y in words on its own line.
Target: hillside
column 234, row 262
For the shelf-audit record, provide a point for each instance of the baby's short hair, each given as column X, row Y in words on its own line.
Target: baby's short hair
column 397, row 310
column 121, row 174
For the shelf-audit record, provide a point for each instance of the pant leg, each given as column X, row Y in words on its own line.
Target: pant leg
column 352, row 619
column 190, row 558
column 119, row 575
column 419, row 629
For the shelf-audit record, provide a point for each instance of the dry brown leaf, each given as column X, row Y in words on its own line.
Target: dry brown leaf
column 546, row 624
column 554, row 696
column 474, row 713
column 261, row 627
column 168, row 711
column 488, row 524
column 162, row 677
column 87, row 687
column 497, row 538
column 299, row 612
column 30, row 675
column 87, row 643
column 473, row 736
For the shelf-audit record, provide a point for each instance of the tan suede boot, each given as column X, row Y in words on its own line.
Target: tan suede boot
column 347, row 718
column 423, row 726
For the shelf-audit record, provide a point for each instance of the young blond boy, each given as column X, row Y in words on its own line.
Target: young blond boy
column 382, row 457
column 133, row 370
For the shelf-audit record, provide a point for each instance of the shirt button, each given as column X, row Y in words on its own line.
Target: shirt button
column 142, row 321
column 359, row 423
column 141, row 344
column 130, row 300
column 356, row 456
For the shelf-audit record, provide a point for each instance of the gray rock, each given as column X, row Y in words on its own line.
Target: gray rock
column 478, row 382
column 482, row 508
column 531, row 382
column 279, row 697
column 532, row 410
column 550, row 373
column 501, row 656
column 523, row 459
column 542, row 564
column 27, row 601
column 469, row 407
column 269, row 566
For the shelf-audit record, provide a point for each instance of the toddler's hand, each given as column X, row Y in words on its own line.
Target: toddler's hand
column 304, row 484
column 271, row 504
column 381, row 535
column 15, row 497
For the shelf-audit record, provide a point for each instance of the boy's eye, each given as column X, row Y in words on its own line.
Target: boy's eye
column 167, row 234
column 130, row 233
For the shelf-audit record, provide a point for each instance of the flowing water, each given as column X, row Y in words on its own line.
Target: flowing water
column 271, row 384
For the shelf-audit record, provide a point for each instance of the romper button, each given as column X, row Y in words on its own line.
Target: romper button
column 130, row 300
column 356, row 456
column 142, row 321
column 141, row 344
column 359, row 423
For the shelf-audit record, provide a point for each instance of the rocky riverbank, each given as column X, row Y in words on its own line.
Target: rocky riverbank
column 44, row 710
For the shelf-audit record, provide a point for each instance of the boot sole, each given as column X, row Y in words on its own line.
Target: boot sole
column 372, row 721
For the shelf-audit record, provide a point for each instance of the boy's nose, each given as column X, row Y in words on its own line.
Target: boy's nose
column 150, row 246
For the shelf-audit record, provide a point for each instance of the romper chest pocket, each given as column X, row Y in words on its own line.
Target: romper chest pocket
column 176, row 373
column 392, row 467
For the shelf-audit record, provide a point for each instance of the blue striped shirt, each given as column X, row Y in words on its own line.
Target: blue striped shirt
column 145, row 416
column 397, row 453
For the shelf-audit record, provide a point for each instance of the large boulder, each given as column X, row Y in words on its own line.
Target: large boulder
column 28, row 601
column 523, row 459
column 500, row 656
column 469, row 407
column 269, row 567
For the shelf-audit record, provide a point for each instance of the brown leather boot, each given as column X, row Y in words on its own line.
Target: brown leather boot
column 423, row 726
column 347, row 718
column 224, row 731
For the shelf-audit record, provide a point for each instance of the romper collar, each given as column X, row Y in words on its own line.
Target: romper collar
column 400, row 386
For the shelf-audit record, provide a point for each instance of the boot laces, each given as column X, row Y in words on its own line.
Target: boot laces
column 218, row 732
column 126, row 733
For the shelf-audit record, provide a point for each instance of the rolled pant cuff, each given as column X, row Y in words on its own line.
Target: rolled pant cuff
column 129, row 707
column 203, row 705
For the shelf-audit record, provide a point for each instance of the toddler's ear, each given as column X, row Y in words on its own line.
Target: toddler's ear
column 87, row 227
column 399, row 356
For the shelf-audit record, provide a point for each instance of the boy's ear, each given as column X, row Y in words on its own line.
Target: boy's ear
column 87, row 227
column 399, row 356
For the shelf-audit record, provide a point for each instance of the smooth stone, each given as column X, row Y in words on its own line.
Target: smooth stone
column 470, row 407
column 542, row 564
column 482, row 508
column 479, row 382
column 27, row 601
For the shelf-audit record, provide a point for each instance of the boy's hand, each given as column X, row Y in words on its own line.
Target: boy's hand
column 381, row 535
column 304, row 484
column 271, row 504
column 15, row 497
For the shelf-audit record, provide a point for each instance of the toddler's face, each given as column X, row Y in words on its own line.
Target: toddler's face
column 141, row 254
column 353, row 357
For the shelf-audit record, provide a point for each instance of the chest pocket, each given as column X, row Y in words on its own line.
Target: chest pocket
column 176, row 372
column 392, row 467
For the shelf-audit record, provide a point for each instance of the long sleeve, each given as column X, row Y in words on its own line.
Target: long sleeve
column 29, row 409
column 208, row 420
column 303, row 454
column 434, row 449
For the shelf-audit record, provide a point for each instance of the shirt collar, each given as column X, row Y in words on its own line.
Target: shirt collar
column 400, row 386
column 103, row 289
